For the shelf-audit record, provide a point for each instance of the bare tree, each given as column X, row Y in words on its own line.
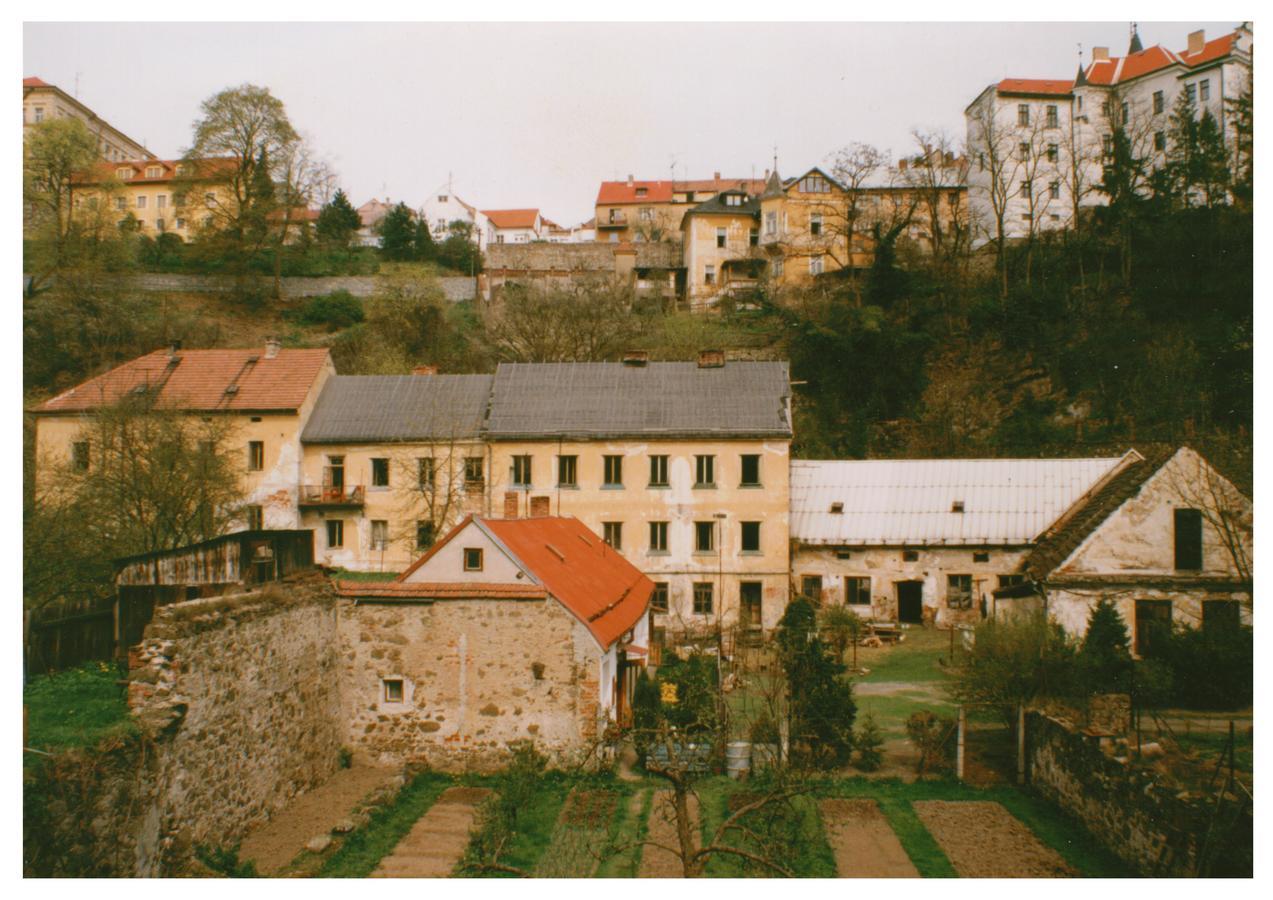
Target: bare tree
column 936, row 176
column 854, row 167
column 990, row 147
column 433, row 495
column 575, row 323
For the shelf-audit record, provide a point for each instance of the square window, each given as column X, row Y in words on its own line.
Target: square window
column 811, row 588
column 750, row 537
column 256, row 456
column 857, row 590
column 380, row 472
column 613, row 472
column 335, row 533
column 704, row 537
column 521, row 471
column 79, row 456
column 379, row 534
column 703, row 598
column 612, row 534
column 472, row 559
column 959, row 591
column 751, row 470
column 704, row 471
column 658, row 599
column 658, row 471
column 255, row 517
column 424, row 534
column 658, row 537
column 568, row 471
column 393, row 690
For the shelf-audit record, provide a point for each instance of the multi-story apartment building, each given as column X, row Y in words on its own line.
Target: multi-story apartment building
column 1036, row 146
column 163, row 196
column 721, row 240
column 43, row 102
column 652, row 210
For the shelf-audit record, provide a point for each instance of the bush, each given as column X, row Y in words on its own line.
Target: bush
column 336, row 310
column 647, row 705
column 1015, row 660
column 1104, row 658
column 868, row 742
column 931, row 735
column 1210, row 669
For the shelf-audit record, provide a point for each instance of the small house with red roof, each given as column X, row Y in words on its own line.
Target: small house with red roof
column 514, row 226
column 506, row 630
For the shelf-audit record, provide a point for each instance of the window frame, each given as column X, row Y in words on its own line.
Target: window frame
column 381, row 541
column 814, row 596
column 521, row 471
column 704, row 464
column 660, row 597
column 753, row 538
column 743, row 460
column 658, row 538
column 705, row 528
column 612, row 471
column 704, row 602
column 474, row 559
column 612, row 535
column 80, row 456
column 857, row 581
column 380, row 472
column 568, row 465
column 256, row 456
column 1188, row 549
column 959, row 595
column 339, row 531
column 659, row 465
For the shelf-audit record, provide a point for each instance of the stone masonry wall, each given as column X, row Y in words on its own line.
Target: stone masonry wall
column 456, row 287
column 477, row 675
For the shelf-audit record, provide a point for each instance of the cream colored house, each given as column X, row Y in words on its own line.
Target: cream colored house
column 653, row 210
column 721, row 240
column 180, row 197
column 43, row 102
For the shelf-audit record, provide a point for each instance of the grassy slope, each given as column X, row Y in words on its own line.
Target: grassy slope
column 75, row 708
column 362, row 851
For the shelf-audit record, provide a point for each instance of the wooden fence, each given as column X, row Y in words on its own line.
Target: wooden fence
column 66, row 634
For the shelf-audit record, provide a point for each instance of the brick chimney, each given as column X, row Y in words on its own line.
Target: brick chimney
column 1197, row 40
column 272, row 347
column 636, row 357
column 540, row 507
column 1100, row 53
column 425, row 370
column 716, row 176
column 629, row 180
column 711, row 359
column 512, row 504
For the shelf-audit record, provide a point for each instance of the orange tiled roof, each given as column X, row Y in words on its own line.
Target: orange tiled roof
column 109, row 171
column 512, row 218
column 35, row 82
column 619, row 192
column 425, row 590
column 198, row 380
column 1034, row 86
column 1118, row 69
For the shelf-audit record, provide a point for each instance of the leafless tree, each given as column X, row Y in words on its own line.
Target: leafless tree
column 991, row 155
column 575, row 323
column 855, row 168
column 432, row 496
column 936, row 175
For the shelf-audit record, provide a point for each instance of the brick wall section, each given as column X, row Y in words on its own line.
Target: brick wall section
column 469, row 685
column 1123, row 805
column 457, row 288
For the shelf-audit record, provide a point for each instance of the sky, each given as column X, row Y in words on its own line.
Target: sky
column 537, row 115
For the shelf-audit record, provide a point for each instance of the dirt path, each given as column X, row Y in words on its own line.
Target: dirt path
column 984, row 840
column 274, row 844
column 655, row 861
column 436, row 842
column 863, row 841
column 579, row 834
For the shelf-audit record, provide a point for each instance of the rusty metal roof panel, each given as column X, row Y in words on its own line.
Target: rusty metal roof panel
column 958, row 502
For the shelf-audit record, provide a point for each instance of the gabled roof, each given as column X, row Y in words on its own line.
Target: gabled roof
column 1091, row 510
column 34, row 82
column 750, row 206
column 512, row 218
column 666, row 399
column 357, row 408
column 616, row 193
column 201, row 380
column 1033, row 86
column 200, row 169
column 1006, row 502
column 747, row 185
column 564, row 559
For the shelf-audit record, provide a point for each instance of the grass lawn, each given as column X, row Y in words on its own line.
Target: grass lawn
column 914, row 659
column 362, row 851
column 629, row 826
column 76, row 708
column 535, row 824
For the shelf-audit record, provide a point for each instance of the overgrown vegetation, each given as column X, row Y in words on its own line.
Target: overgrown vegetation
column 362, row 850
column 75, row 708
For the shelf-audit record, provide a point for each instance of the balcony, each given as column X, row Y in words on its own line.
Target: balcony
column 616, row 220
column 317, row 496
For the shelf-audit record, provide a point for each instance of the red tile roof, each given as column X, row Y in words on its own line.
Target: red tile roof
column 602, row 589
column 512, row 218
column 427, row 590
column 35, row 82
column 1211, row 51
column 1035, row 86
column 219, row 167
column 750, row 185
column 616, row 193
column 1118, row 69
column 198, row 380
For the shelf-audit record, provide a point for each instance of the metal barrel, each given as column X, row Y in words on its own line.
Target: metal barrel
column 738, row 758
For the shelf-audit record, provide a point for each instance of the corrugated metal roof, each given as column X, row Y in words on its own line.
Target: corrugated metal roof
column 399, row 408
column 660, row 399
column 896, row 502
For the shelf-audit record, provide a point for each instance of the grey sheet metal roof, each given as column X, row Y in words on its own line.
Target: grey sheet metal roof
column 1006, row 502
column 660, row 399
column 399, row 408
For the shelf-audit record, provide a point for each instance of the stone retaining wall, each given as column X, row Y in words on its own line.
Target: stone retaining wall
column 457, row 288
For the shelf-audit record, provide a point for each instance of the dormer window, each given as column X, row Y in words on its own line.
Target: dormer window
column 957, row 506
column 124, row 172
column 641, row 192
column 154, row 171
column 733, row 199
column 814, row 184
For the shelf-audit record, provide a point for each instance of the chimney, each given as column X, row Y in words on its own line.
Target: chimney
column 539, row 507
column 636, row 358
column 512, row 504
column 272, row 347
column 1100, row 54
column 425, row 370
column 1196, row 41
column 174, row 348
column 711, row 359
column 629, row 180
column 716, row 176
column 901, row 165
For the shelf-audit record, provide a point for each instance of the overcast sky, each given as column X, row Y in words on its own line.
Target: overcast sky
column 537, row 115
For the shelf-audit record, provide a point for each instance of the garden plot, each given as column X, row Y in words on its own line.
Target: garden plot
column 655, row 861
column 437, row 842
column 863, row 841
column 580, row 832
column 984, row 840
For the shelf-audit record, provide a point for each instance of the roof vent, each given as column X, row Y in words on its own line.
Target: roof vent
column 837, row 508
column 636, row 357
column 555, row 552
column 711, row 359
column 425, row 370
column 272, row 347
column 957, row 506
column 231, row 388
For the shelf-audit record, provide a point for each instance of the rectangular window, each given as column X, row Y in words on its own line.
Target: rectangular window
column 771, row 223
column 1054, row 153
column 1011, row 580
column 910, row 556
column 750, row 537
column 751, row 470
column 380, row 472
column 79, row 456
column 1160, row 141
column 426, row 473
column 709, row 275
column 1126, row 112
column 1153, row 626
column 658, row 599
column 1158, row 102
column 703, row 598
column 815, row 265
column 704, row 471
column 1023, row 114
column 474, row 475
column 815, row 224
column 658, row 471
column 1107, row 144
column 393, row 690
column 159, row 224
column 521, row 471
column 255, row 517
column 335, row 533
column 1023, row 150
column 424, row 532
column 777, row 267
column 704, row 537
column 1052, row 121
column 1221, row 615
column 857, row 590
column 1191, row 91
column 1189, row 539
column 645, row 214
column 568, row 471
column 472, row 559
column 1025, row 189
column 811, row 588
column 379, row 534
column 161, row 201
column 720, row 238
column 141, row 202
column 179, row 223
column 750, row 604
column 658, row 537
column 613, row 475
column 959, row 591
column 815, row 184
column 612, row 534
column 39, row 114
column 256, row 456
column 1054, row 189
column 753, row 238
column 1204, row 90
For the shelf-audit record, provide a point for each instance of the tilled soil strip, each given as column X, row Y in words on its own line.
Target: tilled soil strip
column 983, row 840
column 863, row 842
column 655, row 861
column 277, row 842
column 579, row 833
column 437, row 841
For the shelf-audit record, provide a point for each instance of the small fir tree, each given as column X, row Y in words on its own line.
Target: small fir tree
column 1104, row 657
column 397, row 234
column 338, row 220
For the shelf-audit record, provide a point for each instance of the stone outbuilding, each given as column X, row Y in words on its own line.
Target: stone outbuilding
column 506, row 630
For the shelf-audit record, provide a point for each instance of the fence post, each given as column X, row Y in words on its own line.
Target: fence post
column 959, row 747
column 1021, row 744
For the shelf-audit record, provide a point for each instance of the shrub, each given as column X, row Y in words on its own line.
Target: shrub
column 1210, row 669
column 224, row 861
column 868, row 742
column 1015, row 660
column 931, row 736
column 647, row 705
column 764, row 730
column 821, row 699
column 336, row 310
column 1104, row 658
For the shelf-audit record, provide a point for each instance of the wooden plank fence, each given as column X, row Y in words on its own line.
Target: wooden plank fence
column 69, row 633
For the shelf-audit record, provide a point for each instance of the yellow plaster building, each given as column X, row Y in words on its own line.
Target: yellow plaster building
column 178, row 197
column 43, row 102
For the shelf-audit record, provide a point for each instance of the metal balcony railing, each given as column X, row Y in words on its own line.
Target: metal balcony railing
column 328, row 495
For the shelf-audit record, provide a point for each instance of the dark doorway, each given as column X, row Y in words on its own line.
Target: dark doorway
column 910, row 601
column 1153, row 625
column 750, row 593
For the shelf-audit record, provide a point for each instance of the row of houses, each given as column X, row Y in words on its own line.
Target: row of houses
column 685, row 469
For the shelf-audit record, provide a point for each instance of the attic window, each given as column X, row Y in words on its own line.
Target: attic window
column 837, row 508
column 981, row 557
column 910, row 556
column 124, row 172
column 472, row 559
column 641, row 192
column 154, row 171
column 733, row 200
column 957, row 506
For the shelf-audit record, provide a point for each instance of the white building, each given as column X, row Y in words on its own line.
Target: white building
column 1036, row 146
column 442, row 207
column 515, row 226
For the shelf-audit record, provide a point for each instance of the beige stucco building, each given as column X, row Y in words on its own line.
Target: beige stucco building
column 44, row 102
column 181, row 197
